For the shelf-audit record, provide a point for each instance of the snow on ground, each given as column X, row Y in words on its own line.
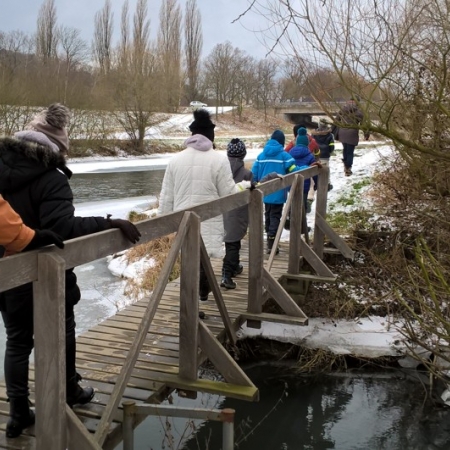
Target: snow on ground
column 176, row 123
column 371, row 337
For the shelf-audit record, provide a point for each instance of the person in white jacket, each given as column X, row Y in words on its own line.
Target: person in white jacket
column 197, row 175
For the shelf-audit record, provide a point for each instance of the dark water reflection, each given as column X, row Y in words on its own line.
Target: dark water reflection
column 345, row 413
column 91, row 187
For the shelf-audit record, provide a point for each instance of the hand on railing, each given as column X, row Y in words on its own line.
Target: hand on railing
column 243, row 185
column 316, row 163
column 126, row 227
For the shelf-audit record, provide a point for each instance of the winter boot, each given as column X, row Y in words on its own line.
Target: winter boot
column 20, row 416
column 239, row 270
column 270, row 241
column 228, row 283
column 330, row 187
column 204, row 288
column 347, row 171
column 76, row 395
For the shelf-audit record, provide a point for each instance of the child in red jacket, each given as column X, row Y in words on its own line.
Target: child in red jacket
column 312, row 144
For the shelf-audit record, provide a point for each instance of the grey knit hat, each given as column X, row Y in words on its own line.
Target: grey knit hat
column 51, row 122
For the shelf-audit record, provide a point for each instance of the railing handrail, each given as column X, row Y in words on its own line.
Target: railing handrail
column 22, row 268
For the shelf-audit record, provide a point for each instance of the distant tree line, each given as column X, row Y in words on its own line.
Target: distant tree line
column 137, row 76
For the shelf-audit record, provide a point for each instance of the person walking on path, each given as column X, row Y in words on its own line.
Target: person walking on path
column 312, row 144
column 273, row 160
column 196, row 175
column 348, row 120
column 34, row 180
column 303, row 157
column 325, row 139
column 15, row 236
column 235, row 221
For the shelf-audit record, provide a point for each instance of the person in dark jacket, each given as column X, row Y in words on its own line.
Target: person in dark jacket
column 348, row 120
column 236, row 221
column 34, row 180
column 325, row 139
column 303, row 157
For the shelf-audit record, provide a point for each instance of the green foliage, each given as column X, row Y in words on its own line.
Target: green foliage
column 343, row 222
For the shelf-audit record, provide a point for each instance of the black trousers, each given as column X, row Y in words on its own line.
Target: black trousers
column 204, row 288
column 20, row 342
column 272, row 217
column 231, row 259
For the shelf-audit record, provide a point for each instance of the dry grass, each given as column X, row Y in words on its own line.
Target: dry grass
column 157, row 250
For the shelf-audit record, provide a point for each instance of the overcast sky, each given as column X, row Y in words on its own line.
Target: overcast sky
column 217, row 16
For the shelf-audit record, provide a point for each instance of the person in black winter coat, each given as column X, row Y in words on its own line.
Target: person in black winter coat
column 236, row 221
column 325, row 139
column 34, row 179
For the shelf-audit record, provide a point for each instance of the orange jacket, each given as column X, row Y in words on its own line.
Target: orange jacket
column 14, row 235
column 313, row 146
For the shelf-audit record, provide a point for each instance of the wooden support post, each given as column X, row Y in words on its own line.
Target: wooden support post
column 335, row 239
column 189, row 287
column 256, row 252
column 141, row 333
column 220, row 358
column 206, row 262
column 50, row 352
column 79, row 436
column 297, row 214
column 321, row 209
column 129, row 408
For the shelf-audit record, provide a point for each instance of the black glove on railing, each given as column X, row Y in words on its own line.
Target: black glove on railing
column 126, row 227
column 44, row 237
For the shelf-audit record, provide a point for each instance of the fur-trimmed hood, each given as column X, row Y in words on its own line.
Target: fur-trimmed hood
column 23, row 161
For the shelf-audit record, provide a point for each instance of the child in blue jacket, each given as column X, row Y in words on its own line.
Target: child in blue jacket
column 273, row 158
column 303, row 157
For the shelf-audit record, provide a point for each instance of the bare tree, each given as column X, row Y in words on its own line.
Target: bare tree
column 392, row 56
column 193, row 43
column 169, row 48
column 74, row 52
column 125, row 34
column 104, row 20
column 136, row 80
column 266, row 85
column 47, row 36
column 222, row 68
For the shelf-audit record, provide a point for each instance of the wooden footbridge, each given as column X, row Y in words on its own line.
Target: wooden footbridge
column 137, row 357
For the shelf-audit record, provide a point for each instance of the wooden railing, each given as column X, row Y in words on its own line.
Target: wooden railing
column 57, row 426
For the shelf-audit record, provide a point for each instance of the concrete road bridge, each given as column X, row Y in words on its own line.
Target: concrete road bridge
column 303, row 112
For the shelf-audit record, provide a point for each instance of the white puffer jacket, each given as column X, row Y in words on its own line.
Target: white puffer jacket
column 196, row 175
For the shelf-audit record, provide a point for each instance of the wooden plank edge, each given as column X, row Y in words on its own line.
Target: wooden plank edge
column 276, row 318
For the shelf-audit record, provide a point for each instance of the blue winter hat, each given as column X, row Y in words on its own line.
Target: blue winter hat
column 302, row 138
column 278, row 135
column 236, row 149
